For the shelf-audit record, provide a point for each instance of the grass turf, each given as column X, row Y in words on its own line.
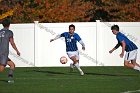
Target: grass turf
column 60, row 80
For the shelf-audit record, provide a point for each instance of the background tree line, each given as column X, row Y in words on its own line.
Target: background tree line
column 27, row 11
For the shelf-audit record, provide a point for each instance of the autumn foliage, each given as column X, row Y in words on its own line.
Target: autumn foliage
column 28, row 11
column 118, row 10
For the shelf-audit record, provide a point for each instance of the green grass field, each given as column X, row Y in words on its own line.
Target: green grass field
column 60, row 80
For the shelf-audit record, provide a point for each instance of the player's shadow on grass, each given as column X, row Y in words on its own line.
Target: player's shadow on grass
column 49, row 72
column 106, row 74
column 3, row 80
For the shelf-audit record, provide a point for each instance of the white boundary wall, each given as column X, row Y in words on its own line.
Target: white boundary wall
column 33, row 41
column 24, row 39
column 130, row 29
column 48, row 54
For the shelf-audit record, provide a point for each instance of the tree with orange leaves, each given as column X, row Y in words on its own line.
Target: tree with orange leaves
column 53, row 11
column 27, row 11
column 117, row 10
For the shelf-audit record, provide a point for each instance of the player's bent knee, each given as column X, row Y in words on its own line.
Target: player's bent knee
column 75, row 60
column 125, row 63
column 11, row 64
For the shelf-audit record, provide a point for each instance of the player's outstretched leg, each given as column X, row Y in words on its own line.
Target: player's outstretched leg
column 76, row 64
column 11, row 70
column 79, row 69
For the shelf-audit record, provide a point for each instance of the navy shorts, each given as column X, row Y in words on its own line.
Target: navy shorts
column 3, row 59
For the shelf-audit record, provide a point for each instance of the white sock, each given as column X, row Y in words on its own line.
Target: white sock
column 137, row 68
column 78, row 67
column 71, row 65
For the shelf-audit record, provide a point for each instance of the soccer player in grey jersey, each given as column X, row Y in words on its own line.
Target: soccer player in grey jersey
column 6, row 36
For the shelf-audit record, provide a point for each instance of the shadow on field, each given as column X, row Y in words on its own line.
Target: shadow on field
column 106, row 74
column 49, row 72
column 3, row 80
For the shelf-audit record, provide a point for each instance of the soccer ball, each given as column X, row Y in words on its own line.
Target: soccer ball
column 63, row 60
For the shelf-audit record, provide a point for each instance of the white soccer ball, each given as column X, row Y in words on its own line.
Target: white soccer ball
column 63, row 60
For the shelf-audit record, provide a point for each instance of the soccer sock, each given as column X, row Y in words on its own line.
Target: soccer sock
column 71, row 65
column 10, row 74
column 137, row 68
column 78, row 67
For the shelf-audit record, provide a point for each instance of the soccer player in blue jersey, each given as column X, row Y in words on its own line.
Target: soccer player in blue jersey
column 128, row 46
column 71, row 39
column 6, row 37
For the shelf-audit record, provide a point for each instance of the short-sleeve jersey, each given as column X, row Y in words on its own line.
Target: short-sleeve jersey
column 71, row 41
column 5, row 35
column 130, row 46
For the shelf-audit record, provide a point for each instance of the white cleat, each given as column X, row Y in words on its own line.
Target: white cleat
column 81, row 73
column 10, row 80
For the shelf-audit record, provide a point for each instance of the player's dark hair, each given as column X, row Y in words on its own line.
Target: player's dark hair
column 6, row 23
column 72, row 26
column 115, row 27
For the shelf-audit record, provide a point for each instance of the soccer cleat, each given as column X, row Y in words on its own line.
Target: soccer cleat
column 81, row 73
column 10, row 80
column 71, row 67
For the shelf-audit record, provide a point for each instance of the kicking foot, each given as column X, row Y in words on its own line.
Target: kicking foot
column 10, row 80
column 81, row 73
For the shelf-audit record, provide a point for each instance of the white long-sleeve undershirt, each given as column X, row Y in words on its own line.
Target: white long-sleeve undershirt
column 82, row 43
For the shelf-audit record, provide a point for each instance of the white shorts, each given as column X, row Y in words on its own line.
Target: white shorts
column 73, row 53
column 132, row 55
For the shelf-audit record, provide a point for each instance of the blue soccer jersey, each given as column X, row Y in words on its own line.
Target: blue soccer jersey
column 71, row 41
column 130, row 46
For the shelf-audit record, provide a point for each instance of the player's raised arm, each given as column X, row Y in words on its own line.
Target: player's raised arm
column 83, row 45
column 57, row 37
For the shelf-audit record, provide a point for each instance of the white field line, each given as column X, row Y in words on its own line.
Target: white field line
column 135, row 91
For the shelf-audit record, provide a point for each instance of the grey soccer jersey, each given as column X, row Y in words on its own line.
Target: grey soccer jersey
column 5, row 35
